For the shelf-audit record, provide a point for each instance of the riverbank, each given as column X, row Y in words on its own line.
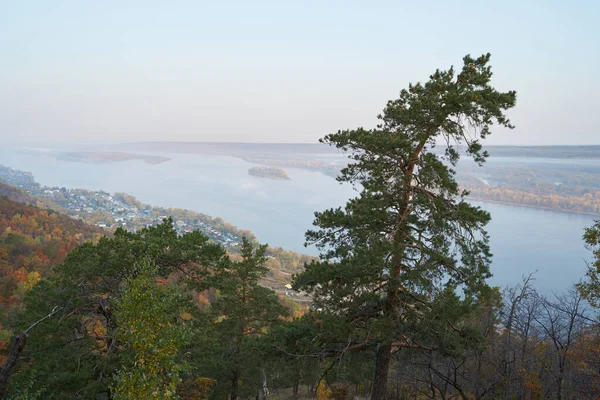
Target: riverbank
column 508, row 203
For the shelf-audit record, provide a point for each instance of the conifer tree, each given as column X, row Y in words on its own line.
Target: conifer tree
column 404, row 261
column 243, row 310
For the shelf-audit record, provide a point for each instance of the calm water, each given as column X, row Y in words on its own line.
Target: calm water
column 523, row 240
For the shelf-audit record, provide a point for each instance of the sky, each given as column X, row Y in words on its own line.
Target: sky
column 282, row 71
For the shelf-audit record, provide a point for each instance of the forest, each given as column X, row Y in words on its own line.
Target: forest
column 520, row 342
column 397, row 305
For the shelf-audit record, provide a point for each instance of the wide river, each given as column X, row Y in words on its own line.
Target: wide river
column 523, row 240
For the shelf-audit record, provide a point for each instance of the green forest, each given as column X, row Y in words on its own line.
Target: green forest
column 397, row 306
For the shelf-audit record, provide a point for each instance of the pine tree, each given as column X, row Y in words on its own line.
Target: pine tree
column 405, row 260
column 243, row 311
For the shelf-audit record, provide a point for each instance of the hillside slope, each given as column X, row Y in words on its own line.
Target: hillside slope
column 32, row 240
column 18, row 195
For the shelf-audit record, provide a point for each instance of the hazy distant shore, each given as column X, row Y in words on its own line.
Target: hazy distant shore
column 101, row 157
column 591, row 152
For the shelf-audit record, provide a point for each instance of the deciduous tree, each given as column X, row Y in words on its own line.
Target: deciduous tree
column 151, row 325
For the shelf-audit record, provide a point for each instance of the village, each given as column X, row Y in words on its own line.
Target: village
column 108, row 211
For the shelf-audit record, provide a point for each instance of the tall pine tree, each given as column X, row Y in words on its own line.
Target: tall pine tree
column 405, row 261
column 244, row 310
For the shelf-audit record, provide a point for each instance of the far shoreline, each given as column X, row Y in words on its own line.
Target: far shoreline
column 541, row 208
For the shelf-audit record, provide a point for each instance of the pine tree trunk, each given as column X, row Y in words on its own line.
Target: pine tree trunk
column 296, row 385
column 234, row 387
column 14, row 354
column 382, row 367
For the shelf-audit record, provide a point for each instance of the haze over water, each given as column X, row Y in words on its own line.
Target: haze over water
column 523, row 240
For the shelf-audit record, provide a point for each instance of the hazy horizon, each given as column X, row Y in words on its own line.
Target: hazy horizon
column 269, row 72
column 107, row 145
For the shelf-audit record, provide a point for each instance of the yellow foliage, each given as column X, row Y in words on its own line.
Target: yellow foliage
column 195, row 389
column 186, row 316
column 203, row 301
column 32, row 279
column 323, row 392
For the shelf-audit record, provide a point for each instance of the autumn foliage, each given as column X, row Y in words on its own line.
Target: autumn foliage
column 32, row 241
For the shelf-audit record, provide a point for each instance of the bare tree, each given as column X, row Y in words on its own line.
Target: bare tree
column 514, row 299
column 563, row 319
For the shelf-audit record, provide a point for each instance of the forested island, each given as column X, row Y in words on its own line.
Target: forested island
column 269, row 172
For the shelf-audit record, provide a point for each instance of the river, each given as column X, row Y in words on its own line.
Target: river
column 523, row 240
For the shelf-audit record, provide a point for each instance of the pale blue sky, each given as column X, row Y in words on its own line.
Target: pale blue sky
column 282, row 71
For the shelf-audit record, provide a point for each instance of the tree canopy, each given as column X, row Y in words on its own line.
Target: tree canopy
column 78, row 352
